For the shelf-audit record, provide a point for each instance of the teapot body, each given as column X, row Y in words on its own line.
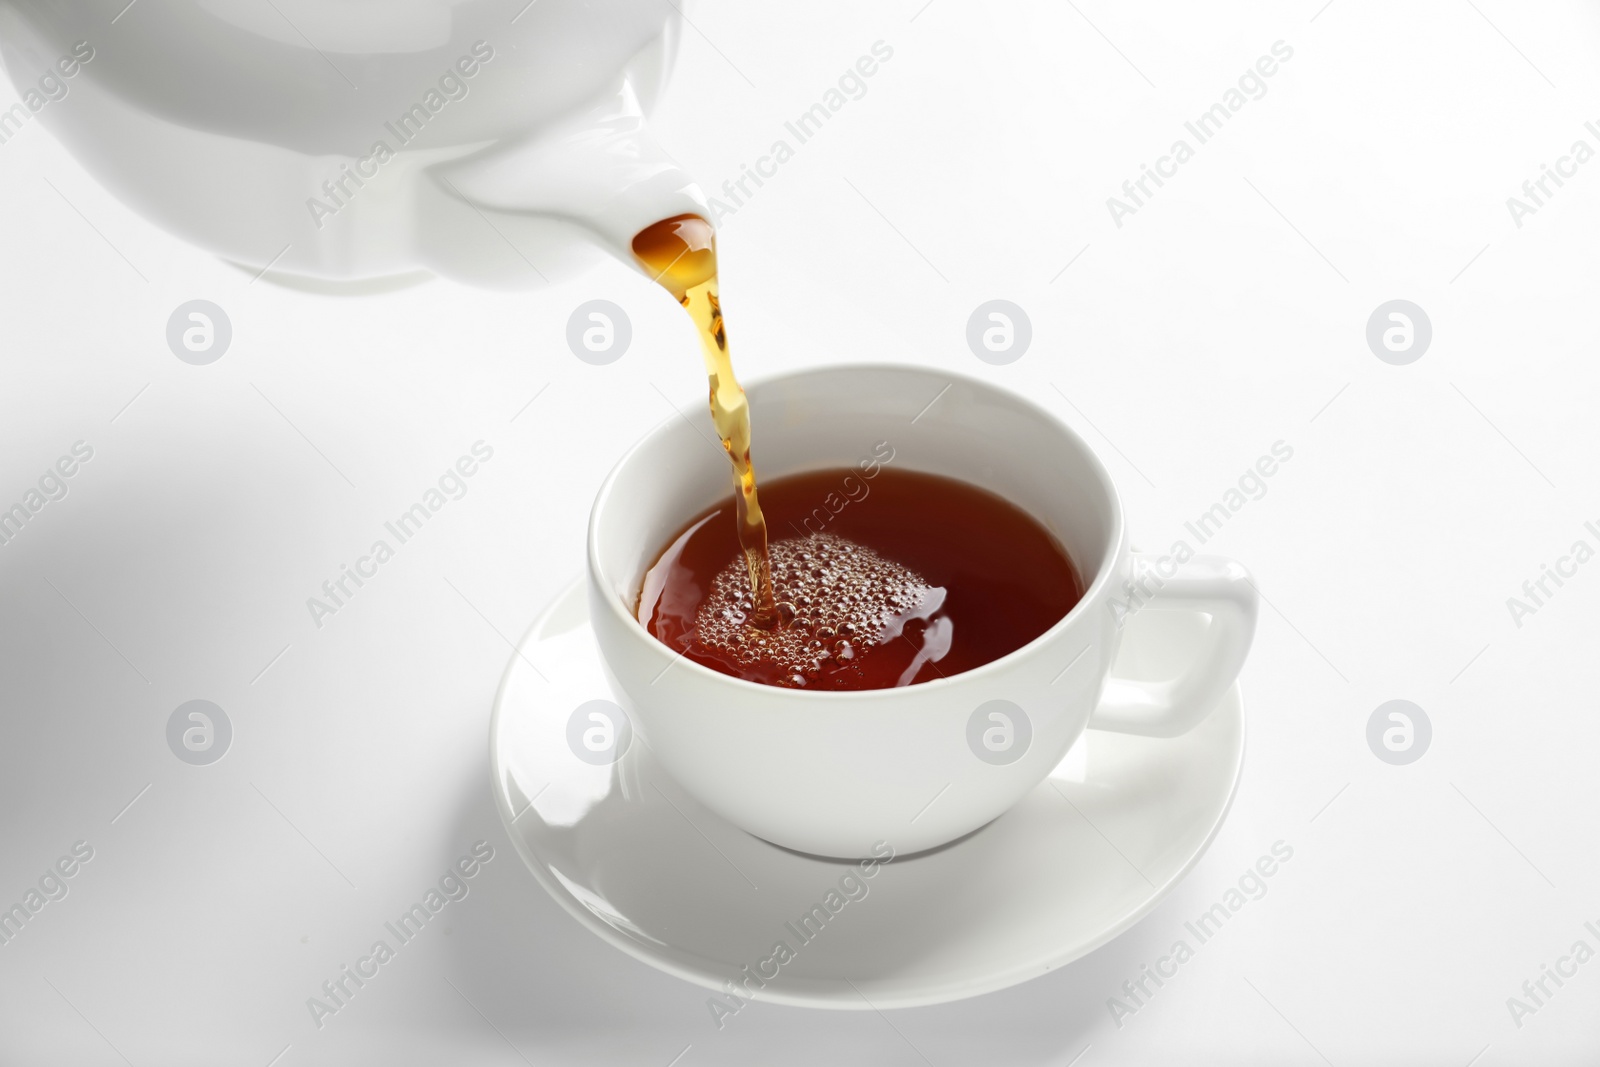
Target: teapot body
column 342, row 140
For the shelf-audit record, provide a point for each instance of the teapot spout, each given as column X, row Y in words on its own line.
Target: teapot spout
column 519, row 216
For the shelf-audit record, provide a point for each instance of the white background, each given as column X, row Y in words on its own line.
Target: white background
column 1226, row 315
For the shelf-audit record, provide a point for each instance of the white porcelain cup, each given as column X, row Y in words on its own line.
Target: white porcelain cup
column 834, row 773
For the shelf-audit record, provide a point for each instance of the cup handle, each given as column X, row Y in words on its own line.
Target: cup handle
column 1211, row 585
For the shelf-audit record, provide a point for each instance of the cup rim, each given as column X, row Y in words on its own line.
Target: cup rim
column 1091, row 592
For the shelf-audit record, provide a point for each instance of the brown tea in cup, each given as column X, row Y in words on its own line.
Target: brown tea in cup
column 880, row 581
column 889, row 579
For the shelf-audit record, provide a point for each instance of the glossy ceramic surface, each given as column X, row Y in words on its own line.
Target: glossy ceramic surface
column 833, row 773
column 1081, row 858
column 498, row 142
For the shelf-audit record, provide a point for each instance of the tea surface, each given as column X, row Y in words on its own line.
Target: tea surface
column 882, row 579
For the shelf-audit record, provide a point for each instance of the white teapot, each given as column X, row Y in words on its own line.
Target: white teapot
column 327, row 142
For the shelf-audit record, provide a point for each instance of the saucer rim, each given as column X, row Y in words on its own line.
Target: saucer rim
column 814, row 992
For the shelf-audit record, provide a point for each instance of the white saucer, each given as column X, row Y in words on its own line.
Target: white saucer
column 1083, row 857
